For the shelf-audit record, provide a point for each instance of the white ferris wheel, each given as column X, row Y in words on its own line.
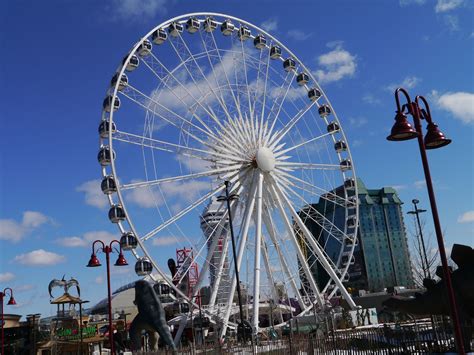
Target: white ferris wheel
column 206, row 98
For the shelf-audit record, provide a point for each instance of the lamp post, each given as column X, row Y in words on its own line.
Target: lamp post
column 94, row 262
column 417, row 212
column 229, row 198
column 402, row 130
column 11, row 302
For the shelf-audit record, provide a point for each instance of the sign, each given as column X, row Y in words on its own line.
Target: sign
column 74, row 334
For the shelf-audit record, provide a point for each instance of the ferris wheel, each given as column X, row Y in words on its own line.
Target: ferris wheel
column 206, row 98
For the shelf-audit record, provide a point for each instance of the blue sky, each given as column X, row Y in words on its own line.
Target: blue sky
column 58, row 58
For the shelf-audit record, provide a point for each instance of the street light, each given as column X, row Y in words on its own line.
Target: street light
column 11, row 302
column 402, row 130
column 228, row 198
column 417, row 211
column 94, row 262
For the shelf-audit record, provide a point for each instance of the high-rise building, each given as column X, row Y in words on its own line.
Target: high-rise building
column 381, row 257
column 210, row 219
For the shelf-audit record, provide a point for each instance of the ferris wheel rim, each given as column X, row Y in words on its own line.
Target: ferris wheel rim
column 111, row 114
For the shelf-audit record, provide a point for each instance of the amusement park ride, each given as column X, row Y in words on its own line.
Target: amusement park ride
column 204, row 101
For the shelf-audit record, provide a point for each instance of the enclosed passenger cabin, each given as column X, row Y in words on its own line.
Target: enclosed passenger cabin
column 340, row 146
column 333, row 127
column 144, row 48
column 132, row 64
column 210, row 24
column 227, row 27
column 289, row 64
column 108, row 185
column 260, row 42
column 116, row 213
column 104, row 128
column 275, row 52
column 107, row 104
column 192, row 25
column 122, row 83
column 244, row 33
column 175, row 28
column 346, row 277
column 161, row 289
column 314, row 94
column 345, row 165
column 351, row 222
column 143, row 267
column 324, row 111
column 104, row 157
column 302, row 79
column 159, row 36
column 128, row 241
column 347, row 259
column 349, row 183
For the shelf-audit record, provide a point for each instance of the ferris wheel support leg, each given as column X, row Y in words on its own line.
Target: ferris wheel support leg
column 301, row 257
column 319, row 253
column 240, row 253
column 269, row 226
column 258, row 251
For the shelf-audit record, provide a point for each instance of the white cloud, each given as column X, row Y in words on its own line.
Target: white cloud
column 24, row 288
column 93, row 194
column 371, row 99
column 358, row 122
column 15, row 231
column 447, row 5
column 169, row 240
column 336, row 65
column 409, row 82
column 466, row 217
column 270, row 25
column 6, row 276
column 39, row 257
column 137, row 10
column 411, row 2
column 459, row 104
column 420, row 184
column 452, row 22
column 299, row 35
column 87, row 239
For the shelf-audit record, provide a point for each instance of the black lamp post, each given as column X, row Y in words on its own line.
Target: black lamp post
column 11, row 302
column 229, row 198
column 94, row 262
column 402, row 130
column 417, row 211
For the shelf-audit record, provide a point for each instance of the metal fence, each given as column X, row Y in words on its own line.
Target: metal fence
column 409, row 338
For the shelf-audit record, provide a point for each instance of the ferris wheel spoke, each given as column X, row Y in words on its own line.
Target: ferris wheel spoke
column 240, row 250
column 146, row 101
column 258, row 251
column 279, row 104
column 207, row 173
column 270, row 227
column 296, row 246
column 288, row 179
column 306, row 166
column 263, row 124
column 317, row 250
column 278, row 153
column 172, row 91
column 187, row 210
column 174, row 148
column 282, row 133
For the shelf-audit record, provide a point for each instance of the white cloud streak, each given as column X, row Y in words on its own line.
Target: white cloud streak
column 137, row 10
column 93, row 194
column 336, row 65
column 270, row 25
column 409, row 82
column 167, row 240
column 411, row 2
column 39, row 257
column 299, row 35
column 86, row 239
column 15, row 231
column 459, row 104
column 6, row 276
column 467, row 217
column 447, row 5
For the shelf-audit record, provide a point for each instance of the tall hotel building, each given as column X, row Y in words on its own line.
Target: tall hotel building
column 381, row 257
column 210, row 219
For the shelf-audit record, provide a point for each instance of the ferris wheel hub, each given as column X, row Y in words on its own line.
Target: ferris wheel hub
column 265, row 159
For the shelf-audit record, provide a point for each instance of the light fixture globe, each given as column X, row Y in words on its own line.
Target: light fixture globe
column 402, row 130
column 94, row 261
column 121, row 261
column 434, row 138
